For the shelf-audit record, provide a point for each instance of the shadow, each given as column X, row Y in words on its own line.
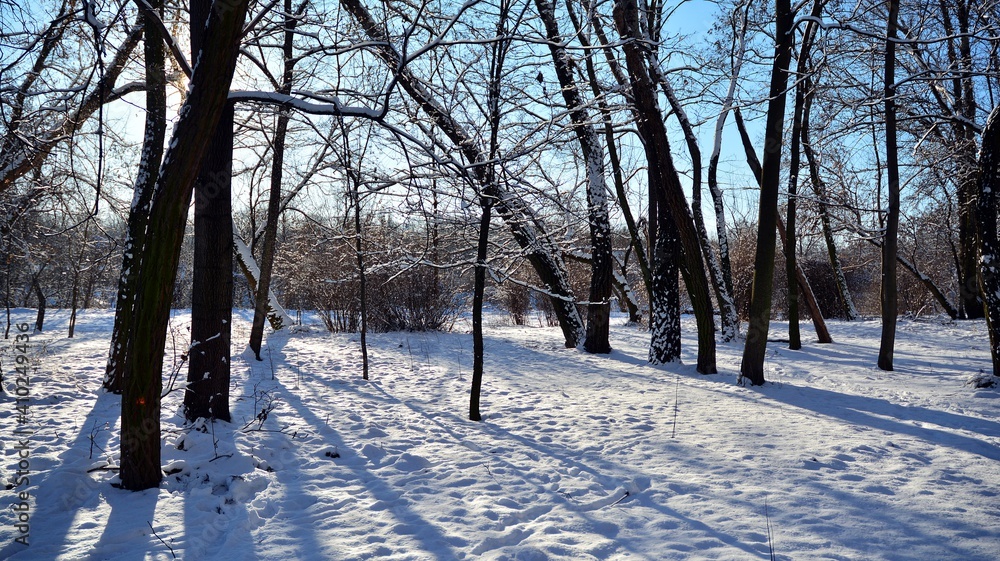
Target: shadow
column 61, row 492
column 131, row 514
column 884, row 415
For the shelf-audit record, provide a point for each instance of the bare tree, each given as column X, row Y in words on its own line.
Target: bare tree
column 752, row 366
column 202, row 110
column 890, row 243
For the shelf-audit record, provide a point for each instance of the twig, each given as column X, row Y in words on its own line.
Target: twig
column 770, row 536
column 677, row 389
column 161, row 539
column 625, row 496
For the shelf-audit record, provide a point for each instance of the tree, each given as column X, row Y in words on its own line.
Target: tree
column 890, row 243
column 263, row 289
column 149, row 164
column 986, row 222
column 599, row 305
column 207, row 391
column 670, row 197
column 538, row 246
column 202, row 110
column 752, row 366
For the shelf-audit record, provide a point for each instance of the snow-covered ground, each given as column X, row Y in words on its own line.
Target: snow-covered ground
column 578, row 457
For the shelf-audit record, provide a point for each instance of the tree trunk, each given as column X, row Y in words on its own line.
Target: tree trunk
column 599, row 304
column 209, row 359
column 653, row 132
column 752, row 366
column 791, row 240
column 149, row 163
column 363, row 280
column 479, row 290
column 665, row 324
column 40, row 316
column 718, row 204
column 819, row 188
column 202, row 110
column 263, row 291
column 989, row 242
column 729, row 319
column 890, row 245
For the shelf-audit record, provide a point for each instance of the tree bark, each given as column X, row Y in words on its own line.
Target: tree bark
column 152, row 152
column 890, row 245
column 201, row 111
column 40, row 315
column 479, row 290
column 989, row 241
column 752, row 366
column 209, row 359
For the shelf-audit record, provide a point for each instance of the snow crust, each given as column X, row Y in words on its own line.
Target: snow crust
column 579, row 456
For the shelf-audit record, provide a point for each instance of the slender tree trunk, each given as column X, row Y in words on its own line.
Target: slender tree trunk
column 40, row 316
column 74, row 296
column 718, row 204
column 798, row 276
column 791, row 257
column 263, row 290
column 653, row 132
column 890, row 245
column 479, row 290
column 202, row 110
column 599, row 305
column 819, row 188
column 752, row 366
column 152, row 152
column 989, row 242
column 363, row 280
column 971, row 296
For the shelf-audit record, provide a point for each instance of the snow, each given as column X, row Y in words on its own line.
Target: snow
column 579, row 456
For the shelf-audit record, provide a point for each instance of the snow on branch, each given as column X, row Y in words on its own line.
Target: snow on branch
column 331, row 106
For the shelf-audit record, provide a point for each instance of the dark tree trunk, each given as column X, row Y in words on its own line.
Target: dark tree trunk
column 798, row 118
column 149, row 163
column 362, row 278
column 752, row 366
column 207, row 394
column 74, row 296
column 989, row 242
column 40, row 316
column 602, row 263
column 890, row 245
column 479, row 290
column 819, row 189
column 654, row 135
column 202, row 110
column 971, row 296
